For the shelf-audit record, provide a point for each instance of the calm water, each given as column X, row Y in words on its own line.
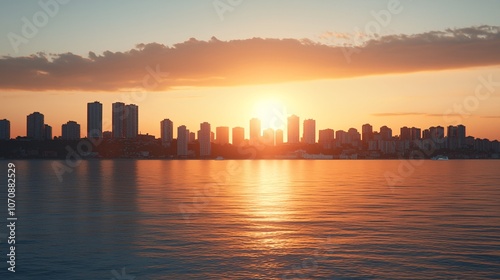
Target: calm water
column 119, row 219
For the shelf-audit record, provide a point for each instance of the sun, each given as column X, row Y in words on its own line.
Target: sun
column 272, row 113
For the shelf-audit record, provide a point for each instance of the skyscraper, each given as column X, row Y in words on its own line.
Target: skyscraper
column 182, row 141
column 366, row 133
column 94, row 120
column 279, row 137
column 47, row 132
column 125, row 120
column 204, row 138
column 385, row 133
column 118, row 119
column 326, row 137
column 4, row 129
column 405, row 133
column 254, row 130
column 293, row 129
column 222, row 135
column 192, row 137
column 238, row 136
column 70, row 131
column 35, row 126
column 415, row 133
column 456, row 137
column 309, row 131
column 132, row 121
column 167, row 132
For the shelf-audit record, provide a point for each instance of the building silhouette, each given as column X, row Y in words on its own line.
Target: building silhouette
column 4, row 129
column 118, row 119
column 366, row 134
column 35, row 126
column 204, row 138
column 238, row 136
column 94, row 120
column 70, row 131
column 182, row 141
column 125, row 120
column 293, row 127
column 385, row 133
column 222, row 135
column 132, row 121
column 326, row 138
column 279, row 137
column 167, row 132
column 456, row 137
column 47, row 132
column 192, row 137
column 309, row 135
column 255, row 130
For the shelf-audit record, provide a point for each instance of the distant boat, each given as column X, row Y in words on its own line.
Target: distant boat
column 440, row 157
column 219, row 158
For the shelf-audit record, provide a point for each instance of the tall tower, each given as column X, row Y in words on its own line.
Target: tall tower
column 4, row 129
column 182, row 141
column 309, row 131
column 167, row 132
column 132, row 121
column 204, row 138
column 293, row 129
column 222, row 134
column 118, row 119
column 35, row 126
column 238, row 136
column 70, row 131
column 94, row 120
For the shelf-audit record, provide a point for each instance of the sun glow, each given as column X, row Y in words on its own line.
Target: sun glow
column 272, row 113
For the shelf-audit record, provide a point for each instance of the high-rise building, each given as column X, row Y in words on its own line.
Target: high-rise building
column 167, row 132
column 268, row 137
column 326, row 138
column 119, row 119
column 222, row 134
column 279, row 137
column 415, row 133
column 47, row 132
column 4, row 129
column 125, row 120
column 182, row 141
column 132, row 121
column 212, row 137
column 309, row 131
column 386, row 133
column 293, row 129
column 353, row 137
column 94, row 120
column 35, row 126
column 341, row 138
column 238, row 136
column 192, row 137
column 255, row 130
column 437, row 136
column 405, row 133
column 204, row 138
column 366, row 133
column 456, row 137
column 70, row 131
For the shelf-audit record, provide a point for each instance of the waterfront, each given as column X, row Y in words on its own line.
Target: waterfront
column 261, row 219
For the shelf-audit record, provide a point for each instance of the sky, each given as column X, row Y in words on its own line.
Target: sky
column 342, row 63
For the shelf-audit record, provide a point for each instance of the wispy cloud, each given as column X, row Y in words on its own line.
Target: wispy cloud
column 252, row 61
column 413, row 114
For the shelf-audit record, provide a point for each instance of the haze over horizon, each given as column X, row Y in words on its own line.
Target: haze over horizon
column 394, row 63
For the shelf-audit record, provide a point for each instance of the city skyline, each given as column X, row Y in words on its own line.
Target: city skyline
column 125, row 116
column 333, row 70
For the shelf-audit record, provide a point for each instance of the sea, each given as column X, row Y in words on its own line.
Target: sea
column 253, row 219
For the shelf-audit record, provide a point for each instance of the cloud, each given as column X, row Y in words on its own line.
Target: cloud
column 413, row 114
column 195, row 63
